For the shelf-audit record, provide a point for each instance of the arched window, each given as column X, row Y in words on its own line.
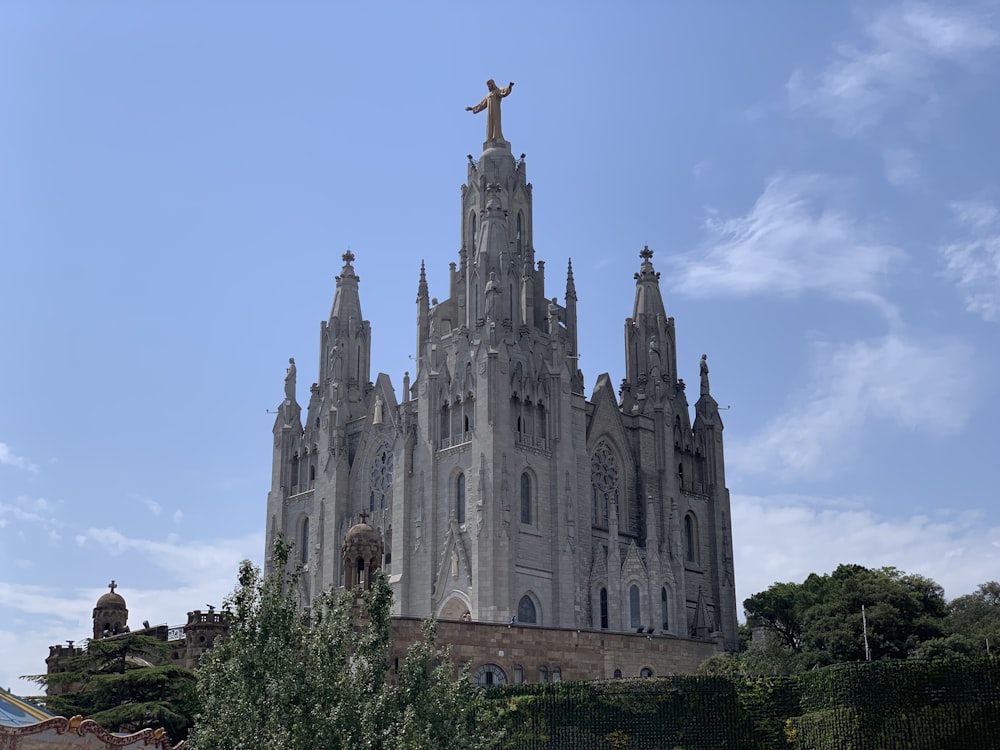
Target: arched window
column 690, row 539
column 604, row 609
column 556, row 674
column 304, row 541
column 604, row 480
column 618, row 674
column 460, row 498
column 518, row 674
column 635, row 615
column 543, row 675
column 664, row 611
column 526, row 613
column 489, row 674
column 645, row 672
column 475, row 229
column 525, row 498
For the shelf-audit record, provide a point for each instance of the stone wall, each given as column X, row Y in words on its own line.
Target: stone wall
column 569, row 653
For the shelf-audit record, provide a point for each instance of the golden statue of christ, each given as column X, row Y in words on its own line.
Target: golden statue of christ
column 491, row 103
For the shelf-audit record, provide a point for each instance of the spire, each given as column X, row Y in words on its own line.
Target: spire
column 647, row 287
column 423, row 312
column 422, row 286
column 571, row 324
column 347, row 347
column 650, row 345
column 345, row 300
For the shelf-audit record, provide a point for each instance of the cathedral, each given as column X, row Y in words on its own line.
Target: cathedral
column 502, row 494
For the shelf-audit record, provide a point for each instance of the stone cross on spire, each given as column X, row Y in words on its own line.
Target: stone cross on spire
column 646, row 254
column 348, row 257
column 364, row 516
column 112, row 586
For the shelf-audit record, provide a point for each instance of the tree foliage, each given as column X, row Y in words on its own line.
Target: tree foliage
column 974, row 625
column 115, row 683
column 318, row 680
column 820, row 620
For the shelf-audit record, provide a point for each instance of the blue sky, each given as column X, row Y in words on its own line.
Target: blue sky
column 818, row 182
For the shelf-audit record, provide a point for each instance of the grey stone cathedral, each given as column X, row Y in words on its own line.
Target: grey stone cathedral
column 502, row 493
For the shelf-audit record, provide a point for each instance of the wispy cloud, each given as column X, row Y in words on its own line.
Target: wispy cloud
column 973, row 261
column 787, row 538
column 9, row 458
column 151, row 505
column 30, row 510
column 902, row 169
column 918, row 385
column 894, row 63
column 798, row 237
column 185, row 560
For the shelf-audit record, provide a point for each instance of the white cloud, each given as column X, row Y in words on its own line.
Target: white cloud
column 28, row 510
column 918, row 385
column 795, row 239
column 895, row 63
column 188, row 562
column 151, row 505
column 973, row 262
column 902, row 169
column 787, row 538
column 8, row 458
column 178, row 516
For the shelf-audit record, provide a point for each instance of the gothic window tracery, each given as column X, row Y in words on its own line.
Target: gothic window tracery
column 604, row 480
column 381, row 478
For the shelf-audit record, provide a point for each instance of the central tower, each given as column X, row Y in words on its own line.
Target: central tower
column 499, row 408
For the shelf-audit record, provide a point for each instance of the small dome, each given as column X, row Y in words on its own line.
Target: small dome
column 111, row 600
column 362, row 533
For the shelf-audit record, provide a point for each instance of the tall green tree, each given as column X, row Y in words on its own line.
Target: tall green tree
column 115, row 682
column 821, row 618
column 318, row 680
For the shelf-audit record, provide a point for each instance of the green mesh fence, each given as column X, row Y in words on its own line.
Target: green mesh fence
column 902, row 705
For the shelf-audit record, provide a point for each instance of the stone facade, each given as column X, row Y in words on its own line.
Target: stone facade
column 503, row 493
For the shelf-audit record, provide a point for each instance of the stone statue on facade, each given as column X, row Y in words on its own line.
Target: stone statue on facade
column 492, row 292
column 704, row 374
column 491, row 103
column 290, row 380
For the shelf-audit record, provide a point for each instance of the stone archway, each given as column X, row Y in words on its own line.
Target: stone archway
column 454, row 608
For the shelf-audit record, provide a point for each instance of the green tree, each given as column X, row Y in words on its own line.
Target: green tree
column 116, row 682
column 318, row 680
column 977, row 616
column 821, row 618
